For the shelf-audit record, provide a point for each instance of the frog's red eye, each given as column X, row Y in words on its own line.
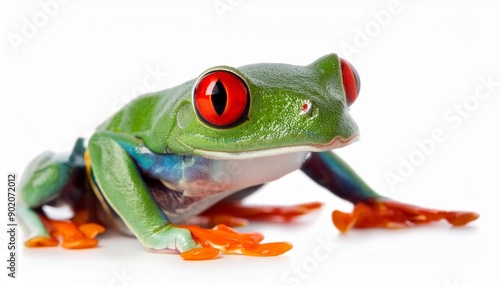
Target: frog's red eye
column 221, row 99
column 351, row 81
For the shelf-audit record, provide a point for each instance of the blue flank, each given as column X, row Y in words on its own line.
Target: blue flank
column 170, row 167
column 165, row 167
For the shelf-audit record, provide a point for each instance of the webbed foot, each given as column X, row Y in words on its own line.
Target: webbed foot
column 226, row 240
column 236, row 214
column 391, row 214
column 68, row 234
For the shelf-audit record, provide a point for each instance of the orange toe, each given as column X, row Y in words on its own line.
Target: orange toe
column 391, row 214
column 268, row 249
column 342, row 221
column 204, row 253
column 229, row 241
column 81, row 243
column 41, row 241
column 91, row 230
column 462, row 218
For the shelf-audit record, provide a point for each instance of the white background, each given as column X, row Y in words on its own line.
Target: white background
column 417, row 62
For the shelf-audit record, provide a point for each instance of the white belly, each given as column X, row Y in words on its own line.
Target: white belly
column 214, row 176
column 205, row 182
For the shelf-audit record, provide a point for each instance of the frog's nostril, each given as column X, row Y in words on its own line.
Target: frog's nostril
column 305, row 108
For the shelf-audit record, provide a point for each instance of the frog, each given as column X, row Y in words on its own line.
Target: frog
column 172, row 164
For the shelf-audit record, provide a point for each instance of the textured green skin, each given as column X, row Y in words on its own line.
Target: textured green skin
column 165, row 122
column 44, row 180
column 121, row 184
column 277, row 93
column 48, row 172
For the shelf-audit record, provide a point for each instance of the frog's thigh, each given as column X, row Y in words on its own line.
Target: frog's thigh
column 121, row 184
column 44, row 179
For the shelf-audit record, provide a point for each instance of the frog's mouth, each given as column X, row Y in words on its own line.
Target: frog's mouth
column 336, row 142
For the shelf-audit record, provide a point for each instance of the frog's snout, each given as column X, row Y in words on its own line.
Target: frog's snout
column 351, row 82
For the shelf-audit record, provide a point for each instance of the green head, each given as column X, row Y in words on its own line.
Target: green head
column 267, row 109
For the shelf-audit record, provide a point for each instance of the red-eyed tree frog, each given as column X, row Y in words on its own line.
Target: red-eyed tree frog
column 182, row 155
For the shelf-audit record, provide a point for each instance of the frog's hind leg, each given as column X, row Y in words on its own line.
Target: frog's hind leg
column 48, row 178
column 232, row 212
column 371, row 209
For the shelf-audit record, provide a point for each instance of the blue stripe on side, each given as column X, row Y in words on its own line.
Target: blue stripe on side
column 168, row 167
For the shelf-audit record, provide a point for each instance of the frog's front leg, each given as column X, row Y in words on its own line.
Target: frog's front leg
column 371, row 209
column 117, row 161
column 120, row 182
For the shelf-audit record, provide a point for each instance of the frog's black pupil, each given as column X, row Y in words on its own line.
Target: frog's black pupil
column 219, row 97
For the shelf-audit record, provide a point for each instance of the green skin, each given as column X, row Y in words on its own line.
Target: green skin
column 165, row 124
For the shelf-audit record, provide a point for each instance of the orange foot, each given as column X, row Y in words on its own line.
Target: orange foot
column 391, row 214
column 235, row 214
column 71, row 235
column 226, row 240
